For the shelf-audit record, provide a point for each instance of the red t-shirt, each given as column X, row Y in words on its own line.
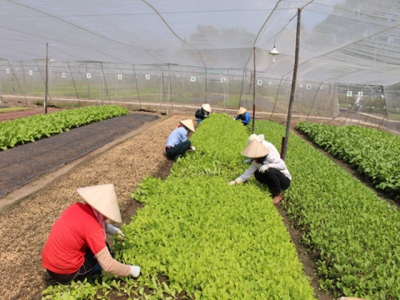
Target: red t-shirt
column 76, row 230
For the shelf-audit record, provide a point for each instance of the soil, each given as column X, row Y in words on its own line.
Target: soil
column 28, row 212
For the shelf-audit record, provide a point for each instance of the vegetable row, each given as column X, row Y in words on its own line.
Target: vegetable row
column 30, row 129
column 353, row 232
column 372, row 152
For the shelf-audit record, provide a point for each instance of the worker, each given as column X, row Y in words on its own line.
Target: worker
column 203, row 112
column 260, row 137
column 268, row 168
column 177, row 142
column 243, row 115
column 77, row 247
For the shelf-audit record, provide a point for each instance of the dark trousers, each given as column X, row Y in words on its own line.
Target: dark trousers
column 178, row 149
column 90, row 266
column 274, row 179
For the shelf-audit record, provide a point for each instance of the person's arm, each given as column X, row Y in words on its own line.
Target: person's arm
column 247, row 174
column 183, row 133
column 110, row 265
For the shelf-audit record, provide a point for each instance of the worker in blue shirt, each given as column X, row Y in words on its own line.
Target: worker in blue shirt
column 243, row 115
column 177, row 142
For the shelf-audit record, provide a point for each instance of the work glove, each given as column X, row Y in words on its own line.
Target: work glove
column 135, row 271
column 263, row 168
column 247, row 161
column 192, row 148
column 232, row 182
column 114, row 230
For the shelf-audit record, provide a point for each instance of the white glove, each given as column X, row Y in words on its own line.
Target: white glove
column 192, row 148
column 232, row 182
column 135, row 271
column 114, row 230
column 247, row 161
column 263, row 168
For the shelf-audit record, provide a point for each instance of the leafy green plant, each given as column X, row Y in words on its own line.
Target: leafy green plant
column 372, row 152
column 30, row 129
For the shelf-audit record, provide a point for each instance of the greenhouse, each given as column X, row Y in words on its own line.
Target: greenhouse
column 90, row 91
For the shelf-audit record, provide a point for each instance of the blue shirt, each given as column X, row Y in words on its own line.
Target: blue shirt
column 177, row 136
column 244, row 117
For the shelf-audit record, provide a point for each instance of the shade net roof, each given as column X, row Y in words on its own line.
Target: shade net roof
column 344, row 41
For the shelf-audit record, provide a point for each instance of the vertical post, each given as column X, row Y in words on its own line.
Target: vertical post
column 296, row 62
column 254, row 89
column 47, row 79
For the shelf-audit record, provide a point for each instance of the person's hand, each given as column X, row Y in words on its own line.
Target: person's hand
column 114, row 230
column 232, row 182
column 192, row 148
column 263, row 168
column 135, row 271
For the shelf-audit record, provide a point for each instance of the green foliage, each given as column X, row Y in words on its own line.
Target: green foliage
column 30, row 129
column 354, row 233
column 209, row 239
column 372, row 152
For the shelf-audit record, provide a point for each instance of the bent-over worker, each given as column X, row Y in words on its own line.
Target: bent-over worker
column 268, row 168
column 243, row 115
column 177, row 142
column 76, row 246
column 203, row 112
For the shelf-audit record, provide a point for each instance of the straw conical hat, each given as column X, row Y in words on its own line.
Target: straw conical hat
column 103, row 199
column 188, row 124
column 241, row 110
column 256, row 137
column 255, row 149
column 206, row 107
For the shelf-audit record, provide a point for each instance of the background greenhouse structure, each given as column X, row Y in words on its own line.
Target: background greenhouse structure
column 161, row 55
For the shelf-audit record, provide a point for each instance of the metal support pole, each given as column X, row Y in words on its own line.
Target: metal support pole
column 296, row 62
column 254, row 89
column 47, row 79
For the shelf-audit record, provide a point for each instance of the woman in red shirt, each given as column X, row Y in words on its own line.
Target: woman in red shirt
column 76, row 246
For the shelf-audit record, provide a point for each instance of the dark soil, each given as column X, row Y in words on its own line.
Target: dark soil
column 30, row 210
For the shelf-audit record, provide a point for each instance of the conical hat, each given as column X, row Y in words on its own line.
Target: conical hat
column 103, row 199
column 241, row 110
column 256, row 137
column 188, row 124
column 206, row 107
column 255, row 149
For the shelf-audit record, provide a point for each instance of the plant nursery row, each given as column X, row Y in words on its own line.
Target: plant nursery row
column 24, row 130
column 197, row 237
column 372, row 152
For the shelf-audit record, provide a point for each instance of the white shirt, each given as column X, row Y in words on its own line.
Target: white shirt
column 272, row 160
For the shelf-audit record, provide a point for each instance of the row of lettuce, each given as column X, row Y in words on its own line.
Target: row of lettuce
column 197, row 237
column 201, row 238
column 373, row 153
column 24, row 130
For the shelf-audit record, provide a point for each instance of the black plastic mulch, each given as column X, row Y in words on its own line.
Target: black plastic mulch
column 24, row 163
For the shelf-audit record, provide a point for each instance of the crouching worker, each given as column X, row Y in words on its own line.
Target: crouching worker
column 203, row 112
column 260, row 138
column 177, row 142
column 243, row 115
column 76, row 246
column 268, row 168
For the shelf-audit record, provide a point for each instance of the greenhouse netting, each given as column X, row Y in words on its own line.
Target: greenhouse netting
column 167, row 54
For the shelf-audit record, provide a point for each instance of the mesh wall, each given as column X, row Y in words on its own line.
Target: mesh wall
column 169, row 87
